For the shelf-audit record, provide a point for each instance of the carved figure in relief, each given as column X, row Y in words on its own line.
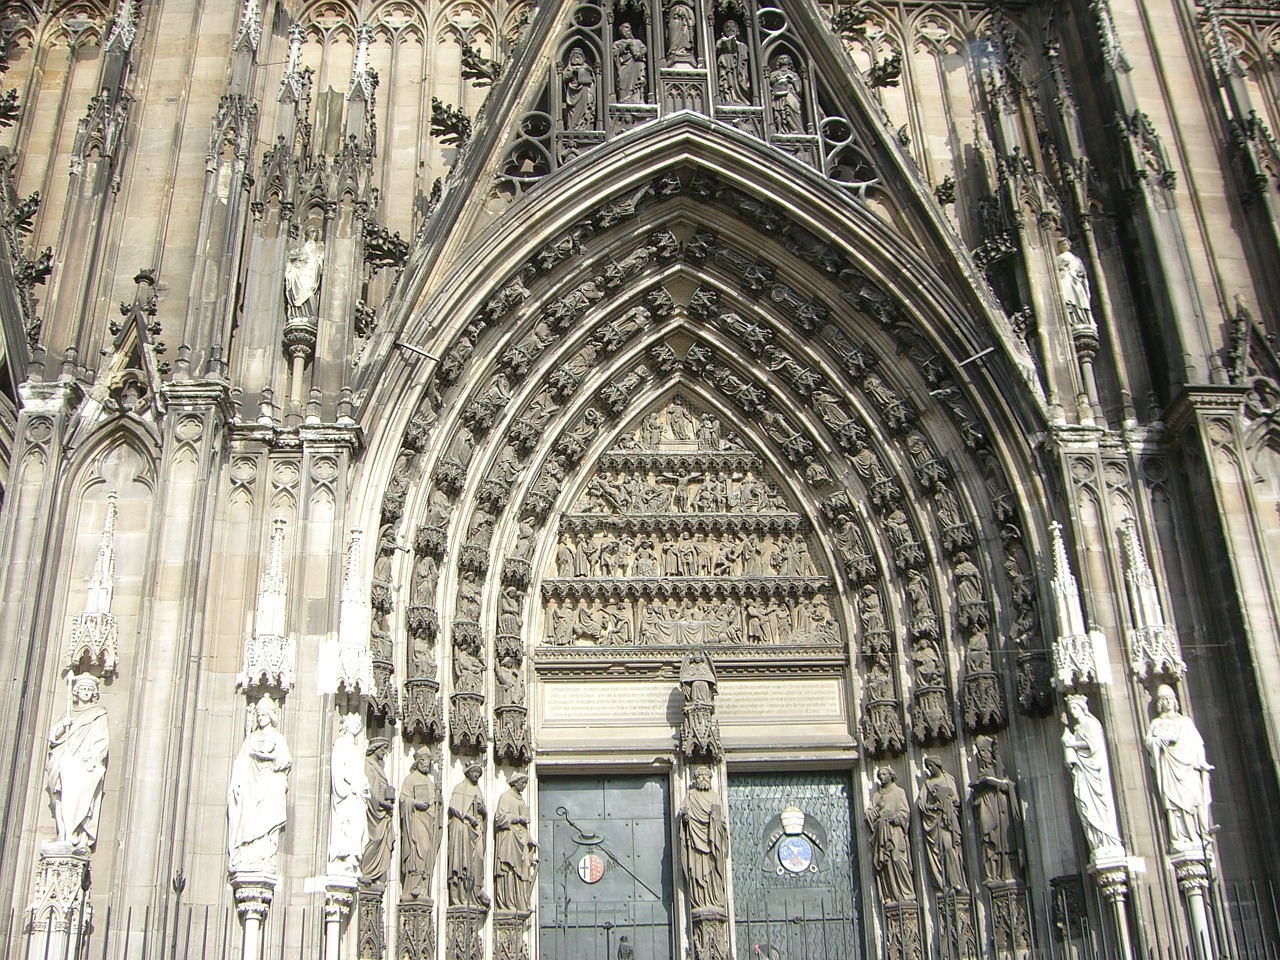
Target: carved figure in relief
column 1177, row 755
column 646, row 561
column 420, row 811
column 785, row 93
column 939, row 805
column 468, row 669
column 871, row 609
column 375, row 861
column 426, row 574
column 256, row 795
column 76, row 767
column 704, row 836
column 566, row 565
column 579, row 92
column 680, row 421
column 967, row 579
column 651, row 432
column 629, row 62
column 868, row 466
column 303, row 268
column 733, row 66
column 889, row 817
column 927, row 662
column 510, row 681
column 729, row 563
column 898, row 528
column 995, row 811
column 879, row 680
column 468, row 817
column 918, row 592
column 1073, row 282
column 586, row 629
column 1084, row 746
column 708, row 433
column 515, row 855
column 680, row 27
column 348, row 800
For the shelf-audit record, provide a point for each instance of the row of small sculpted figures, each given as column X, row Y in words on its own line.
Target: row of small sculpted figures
column 740, row 555
column 805, row 621
column 679, row 428
column 696, row 492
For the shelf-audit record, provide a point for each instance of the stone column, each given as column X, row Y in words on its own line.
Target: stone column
column 1192, row 871
column 339, row 895
column 1112, row 877
column 60, row 913
column 253, row 893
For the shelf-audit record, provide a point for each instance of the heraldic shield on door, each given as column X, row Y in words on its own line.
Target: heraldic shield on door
column 605, row 883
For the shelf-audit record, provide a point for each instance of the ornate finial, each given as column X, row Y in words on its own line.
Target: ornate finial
column 351, row 586
column 1221, row 53
column 347, row 664
column 269, row 654
column 1073, row 653
column 124, row 25
column 94, row 631
column 294, row 82
column 250, row 27
column 1153, row 647
column 1112, row 52
column 364, row 79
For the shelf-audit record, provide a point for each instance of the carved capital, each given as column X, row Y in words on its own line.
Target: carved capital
column 253, row 893
column 339, row 896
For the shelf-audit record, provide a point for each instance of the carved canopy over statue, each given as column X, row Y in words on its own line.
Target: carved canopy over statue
column 77, row 765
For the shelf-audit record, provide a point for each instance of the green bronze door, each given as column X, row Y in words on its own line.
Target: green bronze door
column 604, row 886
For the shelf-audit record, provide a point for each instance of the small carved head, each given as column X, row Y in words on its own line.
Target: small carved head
column 886, row 776
column 85, row 688
column 377, row 744
column 1077, row 705
column 519, row 782
column 422, row 759
column 702, row 779
column 1166, row 700
column 265, row 713
column 473, row 771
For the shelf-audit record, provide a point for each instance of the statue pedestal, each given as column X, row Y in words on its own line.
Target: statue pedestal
column 417, row 927
column 339, row 895
column 371, row 931
column 710, row 933
column 508, row 934
column 466, row 931
column 253, row 892
column 902, row 930
column 60, row 915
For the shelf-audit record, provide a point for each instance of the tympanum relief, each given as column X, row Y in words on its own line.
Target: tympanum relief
column 682, row 538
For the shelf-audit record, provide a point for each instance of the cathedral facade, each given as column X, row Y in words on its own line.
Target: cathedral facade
column 642, row 479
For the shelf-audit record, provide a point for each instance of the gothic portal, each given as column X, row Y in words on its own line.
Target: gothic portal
column 639, row 480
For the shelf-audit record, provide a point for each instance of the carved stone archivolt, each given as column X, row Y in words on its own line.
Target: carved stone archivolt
column 753, row 467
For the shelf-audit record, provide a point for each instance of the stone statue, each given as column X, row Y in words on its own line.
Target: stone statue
column 376, row 859
column 939, row 806
column 680, row 27
column 733, row 67
column 704, row 838
column 420, row 810
column 348, row 800
column 257, row 794
column 889, row 817
column 1177, row 755
column 629, row 64
column 1073, row 281
column 579, row 92
column 995, row 809
column 467, row 821
column 785, row 89
column 1085, row 748
column 77, row 765
column 515, row 855
column 302, row 272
